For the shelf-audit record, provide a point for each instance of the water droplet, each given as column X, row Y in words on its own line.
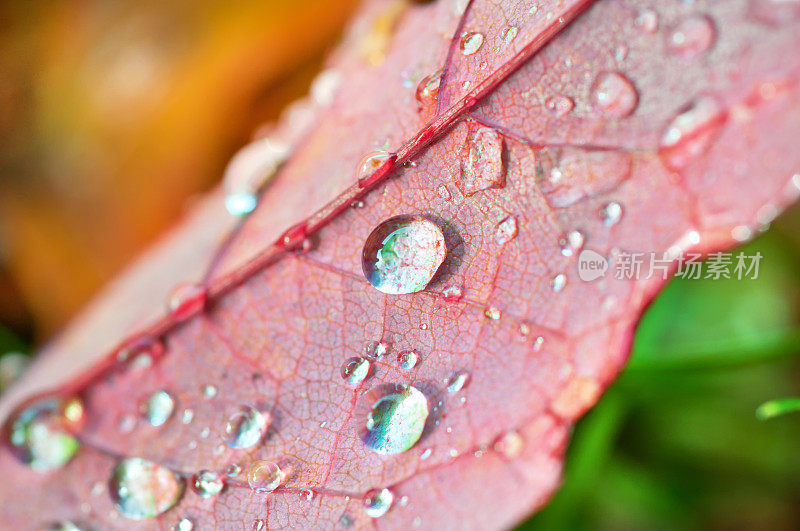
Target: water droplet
column 370, row 164
column 307, row 494
column 692, row 36
column 42, row 434
column 571, row 242
column 245, row 426
column 207, row 483
column 64, row 525
column 187, row 416
column 376, row 349
column 492, row 313
column 408, row 359
column 482, row 165
column 560, row 105
column 426, row 454
column 324, row 87
column 357, row 204
column 506, row 230
column 611, row 213
column 452, row 293
column 158, row 408
column 509, row 444
column 233, row 470
column 691, row 132
column 471, row 43
column 249, row 170
column 647, row 21
column 377, row 502
column 428, row 89
column 396, row 420
column 264, row 476
column 403, row 254
column 355, row 370
column 509, row 34
column 209, row 391
column 614, row 95
column 185, row 524
column 558, row 282
column 185, row 300
column 457, row 382
column 259, row 524
column 620, row 52
column 142, row 489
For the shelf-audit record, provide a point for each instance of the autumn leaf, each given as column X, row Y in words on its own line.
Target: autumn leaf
column 510, row 136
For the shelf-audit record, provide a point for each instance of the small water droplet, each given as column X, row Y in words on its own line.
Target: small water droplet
column 506, row 230
column 482, row 165
column 691, row 131
column 185, row 524
column 357, row 204
column 614, row 95
column 376, row 349
column 370, row 164
column 64, row 525
column 244, row 427
column 611, row 213
column 571, row 242
column 559, row 105
column 621, row 52
column 692, row 36
column 452, row 293
column 493, row 313
column 377, row 502
column 408, row 359
column 402, row 254
column 457, row 382
column 426, row 454
column 509, row 34
column 558, row 282
column 188, row 415
column 355, row 370
column 264, row 476
column 471, row 43
column 207, row 483
column 428, row 89
column 42, row 434
column 307, row 494
column 509, row 444
column 158, row 408
column 396, row 420
column 249, row 170
column 259, row 524
column 185, row 300
column 233, row 470
column 142, row 489
column 647, row 21
column 209, row 391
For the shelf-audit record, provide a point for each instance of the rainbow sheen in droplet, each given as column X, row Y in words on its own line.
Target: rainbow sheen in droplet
column 355, row 370
column 41, row 435
column 159, row 408
column 244, row 427
column 207, row 483
column 141, row 489
column 377, row 502
column 396, row 420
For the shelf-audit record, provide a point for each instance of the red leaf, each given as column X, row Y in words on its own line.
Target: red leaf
column 645, row 127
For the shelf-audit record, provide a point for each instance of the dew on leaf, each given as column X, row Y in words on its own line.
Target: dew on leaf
column 396, row 420
column 621, row 52
column 509, row 34
column 324, row 87
column 408, row 359
column 264, row 476
column 402, row 254
column 233, row 470
column 457, row 382
column 692, row 36
column 558, row 282
column 185, row 524
column 452, row 293
column 428, row 89
column 250, row 169
column 64, row 525
column 207, row 483
column 186, row 299
column 482, row 165
column 493, row 313
column 41, row 434
column 187, row 416
column 647, row 21
column 158, row 408
column 509, row 444
column 691, row 132
column 355, row 370
column 611, row 213
column 376, row 349
column 506, row 230
column 614, row 95
column 307, row 494
column 370, row 164
column 426, row 454
column 377, row 502
column 142, row 489
column 209, row 391
column 471, row 43
column 244, row 427
column 571, row 242
column 559, row 105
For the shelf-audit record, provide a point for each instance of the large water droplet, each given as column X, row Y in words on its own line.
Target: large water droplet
column 377, row 502
column 482, row 165
column 396, row 420
column 403, row 254
column 264, row 476
column 647, row 21
column 42, row 434
column 355, row 370
column 428, row 89
column 207, row 483
column 244, row 427
column 692, row 36
column 471, row 43
column 159, row 408
column 614, row 95
column 142, row 489
column 559, row 105
column 571, row 242
column 506, row 230
column 408, row 359
column 186, row 299
column 691, row 132
column 249, row 170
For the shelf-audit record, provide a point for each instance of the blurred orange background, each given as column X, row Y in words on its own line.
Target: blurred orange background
column 114, row 114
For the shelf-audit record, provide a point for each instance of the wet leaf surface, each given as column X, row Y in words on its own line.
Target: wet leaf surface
column 564, row 126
